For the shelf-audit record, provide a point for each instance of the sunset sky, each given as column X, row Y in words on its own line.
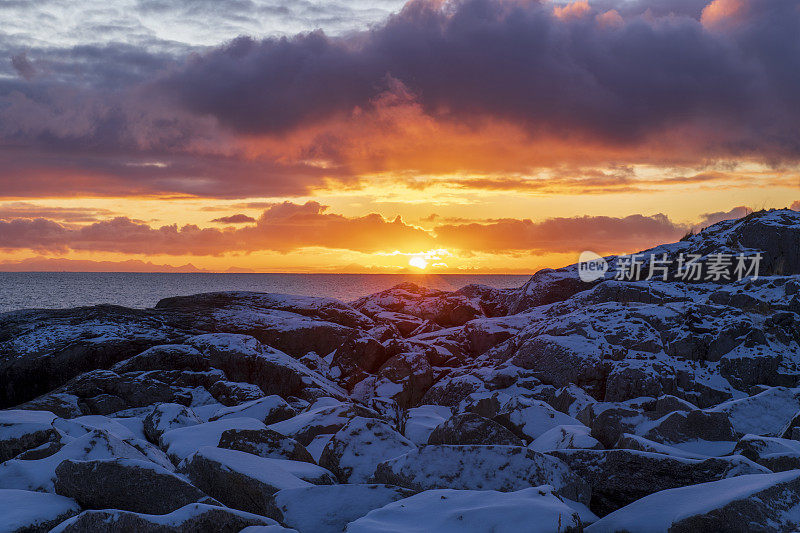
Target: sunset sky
column 476, row 136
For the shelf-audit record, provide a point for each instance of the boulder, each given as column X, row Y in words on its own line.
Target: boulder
column 329, row 508
column 619, row 477
column 774, row 453
column 503, row 468
column 234, row 392
column 419, row 422
column 269, row 410
column 125, row 484
column 356, row 449
column 469, row 428
column 34, row 512
column 264, row 443
column 564, row 438
column 758, row 502
column 181, row 442
column 324, row 417
column 22, row 430
column 239, row 480
column 536, row 510
column 167, row 416
column 192, row 517
column 766, row 413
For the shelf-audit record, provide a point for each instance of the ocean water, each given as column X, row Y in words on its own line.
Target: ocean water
column 23, row 290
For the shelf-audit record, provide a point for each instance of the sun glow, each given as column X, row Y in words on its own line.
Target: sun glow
column 418, row 261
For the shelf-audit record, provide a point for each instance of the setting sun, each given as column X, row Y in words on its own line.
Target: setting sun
column 418, row 262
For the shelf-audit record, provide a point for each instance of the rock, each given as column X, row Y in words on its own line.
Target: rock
column 239, row 480
column 619, row 477
column 571, row 400
column 503, row 468
column 180, row 443
column 565, row 437
column 193, row 517
column 532, row 421
column 167, row 416
column 774, row 453
column 269, row 410
column 264, row 443
column 766, row 413
column 34, row 512
column 635, row 442
column 759, row 502
column 322, row 417
column 469, row 428
column 234, row 393
column 473, row 511
column 405, row 378
column 165, row 357
column 22, row 430
column 125, row 484
column 356, row 449
column 40, row 474
column 329, row 508
column 419, row 422
column 682, row 426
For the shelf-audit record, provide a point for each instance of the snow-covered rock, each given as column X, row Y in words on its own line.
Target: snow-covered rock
column 775, row 453
column 758, row 502
column 167, row 416
column 503, row 468
column 269, row 410
column 264, row 443
column 192, row 517
column 181, row 442
column 565, row 437
column 355, row 451
column 420, row 421
column 469, row 428
column 127, row 484
column 34, row 512
column 619, row 477
column 241, row 480
column 535, row 509
column 323, row 417
column 329, row 508
column 766, row 413
column 22, row 430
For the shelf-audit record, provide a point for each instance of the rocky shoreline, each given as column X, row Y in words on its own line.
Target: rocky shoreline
column 564, row 405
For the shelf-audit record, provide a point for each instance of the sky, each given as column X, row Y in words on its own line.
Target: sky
column 472, row 136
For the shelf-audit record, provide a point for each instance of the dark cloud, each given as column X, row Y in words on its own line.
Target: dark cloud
column 13, row 210
column 707, row 219
column 235, row 219
column 23, row 66
column 516, row 61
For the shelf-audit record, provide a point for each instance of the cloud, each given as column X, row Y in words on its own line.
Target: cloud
column 282, row 228
column 554, row 235
column 12, row 210
column 707, row 219
column 235, row 219
column 480, row 87
column 288, row 227
column 51, row 264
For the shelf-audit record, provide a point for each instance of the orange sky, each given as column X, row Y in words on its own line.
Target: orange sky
column 450, row 137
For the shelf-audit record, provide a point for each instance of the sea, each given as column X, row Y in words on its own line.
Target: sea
column 51, row 290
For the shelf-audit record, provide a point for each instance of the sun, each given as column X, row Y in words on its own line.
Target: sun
column 418, row 261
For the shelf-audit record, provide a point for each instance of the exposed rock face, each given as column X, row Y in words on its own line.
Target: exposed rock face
column 619, row 477
column 503, row 468
column 629, row 395
column 469, row 428
column 131, row 485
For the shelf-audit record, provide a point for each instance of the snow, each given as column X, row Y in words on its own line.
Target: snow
column 317, row 445
column 329, row 508
column 180, row 443
column 23, row 510
column 269, row 471
column 766, row 413
column 177, row 517
column 468, row 511
column 423, row 420
column 15, row 423
column 563, row 437
column 260, row 409
column 657, row 512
